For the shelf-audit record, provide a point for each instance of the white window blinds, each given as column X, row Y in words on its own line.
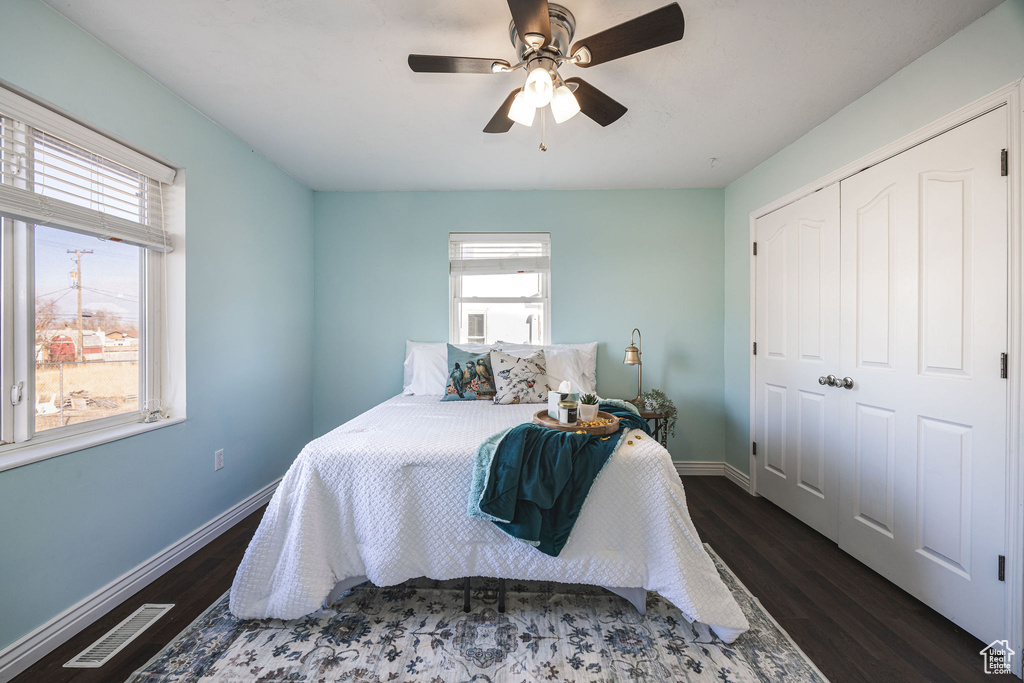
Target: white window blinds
column 56, row 172
column 499, row 253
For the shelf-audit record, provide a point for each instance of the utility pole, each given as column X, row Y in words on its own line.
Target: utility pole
column 79, row 351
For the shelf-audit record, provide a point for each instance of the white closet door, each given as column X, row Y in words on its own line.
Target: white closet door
column 924, row 321
column 797, row 323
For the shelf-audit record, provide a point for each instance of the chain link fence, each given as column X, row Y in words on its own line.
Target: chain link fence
column 72, row 392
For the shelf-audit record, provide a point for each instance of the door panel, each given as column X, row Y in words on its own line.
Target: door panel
column 874, row 234
column 776, row 285
column 811, row 282
column 946, row 278
column 875, row 460
column 924, row 321
column 797, row 322
column 775, row 429
column 944, row 493
column 811, row 448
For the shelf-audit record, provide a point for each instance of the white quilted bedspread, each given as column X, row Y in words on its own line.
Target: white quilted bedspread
column 384, row 495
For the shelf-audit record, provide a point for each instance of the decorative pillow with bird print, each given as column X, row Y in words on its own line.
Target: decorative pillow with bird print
column 520, row 380
column 469, row 376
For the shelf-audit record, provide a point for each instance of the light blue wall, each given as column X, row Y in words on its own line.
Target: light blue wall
column 654, row 258
column 981, row 58
column 70, row 525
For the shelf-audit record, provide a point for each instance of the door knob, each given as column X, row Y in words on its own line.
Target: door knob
column 845, row 383
column 831, row 380
column 822, row 380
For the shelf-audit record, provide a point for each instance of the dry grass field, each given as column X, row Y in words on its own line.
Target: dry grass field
column 91, row 390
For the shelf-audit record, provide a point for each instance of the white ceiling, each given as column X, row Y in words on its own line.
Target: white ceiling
column 322, row 88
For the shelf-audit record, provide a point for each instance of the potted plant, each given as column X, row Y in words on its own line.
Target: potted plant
column 657, row 402
column 588, row 407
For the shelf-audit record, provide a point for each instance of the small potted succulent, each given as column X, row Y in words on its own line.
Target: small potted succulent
column 588, row 407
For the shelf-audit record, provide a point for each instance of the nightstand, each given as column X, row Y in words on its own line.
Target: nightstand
column 657, row 422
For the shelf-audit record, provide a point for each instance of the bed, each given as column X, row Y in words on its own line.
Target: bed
column 383, row 497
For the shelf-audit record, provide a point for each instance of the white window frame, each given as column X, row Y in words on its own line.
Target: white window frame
column 161, row 321
column 455, row 299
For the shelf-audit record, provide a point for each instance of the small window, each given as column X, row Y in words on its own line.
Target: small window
column 500, row 287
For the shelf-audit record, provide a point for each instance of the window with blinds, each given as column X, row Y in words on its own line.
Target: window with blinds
column 47, row 177
column 84, row 237
column 500, row 287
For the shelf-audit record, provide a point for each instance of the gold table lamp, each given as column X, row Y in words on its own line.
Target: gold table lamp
column 633, row 358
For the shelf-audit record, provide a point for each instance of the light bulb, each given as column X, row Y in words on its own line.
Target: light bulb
column 521, row 111
column 563, row 104
column 538, row 87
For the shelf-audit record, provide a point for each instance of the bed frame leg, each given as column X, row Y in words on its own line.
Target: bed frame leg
column 501, row 596
column 465, row 594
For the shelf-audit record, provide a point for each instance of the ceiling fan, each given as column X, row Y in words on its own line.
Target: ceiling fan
column 541, row 33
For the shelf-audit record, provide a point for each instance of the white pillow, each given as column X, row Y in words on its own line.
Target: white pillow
column 407, row 366
column 574, row 362
column 426, row 366
column 567, row 364
column 425, row 369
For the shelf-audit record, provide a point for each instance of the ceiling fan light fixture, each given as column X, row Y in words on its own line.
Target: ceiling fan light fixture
column 564, row 104
column 521, row 111
column 542, row 33
column 539, row 87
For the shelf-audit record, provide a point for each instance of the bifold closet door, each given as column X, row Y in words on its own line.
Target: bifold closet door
column 797, row 323
column 924, row 321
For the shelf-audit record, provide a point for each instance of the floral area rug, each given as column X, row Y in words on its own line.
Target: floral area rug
column 417, row 632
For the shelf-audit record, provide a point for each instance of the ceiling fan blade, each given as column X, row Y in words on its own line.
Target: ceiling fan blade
column 531, row 17
column 651, row 30
column 595, row 103
column 500, row 122
column 440, row 64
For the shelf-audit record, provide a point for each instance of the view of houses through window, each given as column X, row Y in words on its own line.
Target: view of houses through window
column 476, row 324
column 500, row 286
column 87, row 330
column 489, row 314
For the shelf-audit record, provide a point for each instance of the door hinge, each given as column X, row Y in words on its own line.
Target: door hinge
column 1002, row 366
column 755, row 243
column 1005, row 164
column 753, row 449
column 1002, row 567
column 755, row 348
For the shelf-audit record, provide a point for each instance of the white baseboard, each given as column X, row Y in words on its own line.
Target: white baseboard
column 35, row 645
column 737, row 477
column 713, row 469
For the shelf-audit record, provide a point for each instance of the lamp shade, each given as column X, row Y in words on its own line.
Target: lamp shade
column 539, row 87
column 563, row 104
column 632, row 356
column 521, row 111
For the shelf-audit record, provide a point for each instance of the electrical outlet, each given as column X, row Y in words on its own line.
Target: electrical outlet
column 218, row 460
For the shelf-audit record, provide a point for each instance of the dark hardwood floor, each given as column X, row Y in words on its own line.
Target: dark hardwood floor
column 852, row 623
column 192, row 586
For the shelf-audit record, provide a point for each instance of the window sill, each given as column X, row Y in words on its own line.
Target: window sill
column 17, row 455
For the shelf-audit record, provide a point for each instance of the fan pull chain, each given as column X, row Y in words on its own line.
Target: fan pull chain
column 543, row 128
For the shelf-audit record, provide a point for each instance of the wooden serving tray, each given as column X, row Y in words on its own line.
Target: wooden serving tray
column 544, row 420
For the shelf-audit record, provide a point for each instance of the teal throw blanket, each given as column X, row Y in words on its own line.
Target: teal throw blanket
column 532, row 482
